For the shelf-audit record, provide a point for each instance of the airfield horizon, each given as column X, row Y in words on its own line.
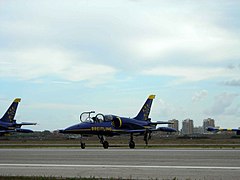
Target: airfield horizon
column 210, row 141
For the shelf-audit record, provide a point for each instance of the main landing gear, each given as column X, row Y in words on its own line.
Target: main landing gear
column 147, row 137
column 103, row 141
column 131, row 142
column 83, row 145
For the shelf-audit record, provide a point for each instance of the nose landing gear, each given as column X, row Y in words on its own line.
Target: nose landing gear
column 131, row 142
column 83, row 145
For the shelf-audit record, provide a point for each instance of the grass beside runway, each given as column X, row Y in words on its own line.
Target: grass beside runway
column 61, row 178
column 214, row 141
column 50, row 178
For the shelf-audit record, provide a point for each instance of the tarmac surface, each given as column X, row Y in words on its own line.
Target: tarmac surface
column 122, row 163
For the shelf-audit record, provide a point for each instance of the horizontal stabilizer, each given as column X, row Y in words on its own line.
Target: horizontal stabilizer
column 26, row 123
column 166, row 129
column 160, row 122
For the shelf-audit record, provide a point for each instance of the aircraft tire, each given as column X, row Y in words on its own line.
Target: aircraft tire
column 83, row 145
column 131, row 144
column 105, row 144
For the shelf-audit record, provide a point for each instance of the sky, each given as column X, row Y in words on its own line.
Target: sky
column 66, row 57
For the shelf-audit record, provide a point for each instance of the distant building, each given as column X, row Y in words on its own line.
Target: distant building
column 175, row 124
column 198, row 130
column 187, row 127
column 208, row 122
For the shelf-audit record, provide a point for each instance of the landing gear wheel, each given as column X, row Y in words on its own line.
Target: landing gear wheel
column 105, row 144
column 131, row 144
column 83, row 145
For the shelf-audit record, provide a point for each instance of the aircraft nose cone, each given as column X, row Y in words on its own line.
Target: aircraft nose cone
column 69, row 129
column 65, row 130
column 61, row 131
column 209, row 128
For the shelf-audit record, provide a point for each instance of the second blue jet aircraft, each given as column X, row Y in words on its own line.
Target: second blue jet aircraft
column 9, row 125
column 111, row 125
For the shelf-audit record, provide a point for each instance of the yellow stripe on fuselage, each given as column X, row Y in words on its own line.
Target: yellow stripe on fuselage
column 77, row 130
column 147, row 127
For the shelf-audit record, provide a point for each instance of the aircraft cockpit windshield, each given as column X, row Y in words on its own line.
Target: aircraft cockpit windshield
column 90, row 117
column 108, row 117
column 99, row 118
column 86, row 117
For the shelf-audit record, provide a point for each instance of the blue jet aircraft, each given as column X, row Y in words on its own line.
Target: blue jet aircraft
column 111, row 125
column 9, row 125
column 213, row 129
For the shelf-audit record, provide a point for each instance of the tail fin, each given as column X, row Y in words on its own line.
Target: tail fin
column 145, row 111
column 10, row 113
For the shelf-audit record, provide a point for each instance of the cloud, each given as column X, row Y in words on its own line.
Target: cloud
column 222, row 103
column 188, row 32
column 198, row 96
column 189, row 73
column 189, row 40
column 40, row 63
column 163, row 109
column 93, row 39
column 233, row 82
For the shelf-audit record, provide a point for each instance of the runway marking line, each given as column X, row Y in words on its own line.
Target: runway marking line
column 118, row 166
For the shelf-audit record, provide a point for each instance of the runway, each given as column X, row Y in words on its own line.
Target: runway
column 122, row 163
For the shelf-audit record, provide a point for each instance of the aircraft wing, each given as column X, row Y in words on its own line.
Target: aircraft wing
column 7, row 131
column 20, row 130
column 165, row 129
column 136, row 131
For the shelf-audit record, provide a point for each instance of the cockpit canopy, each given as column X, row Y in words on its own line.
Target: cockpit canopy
column 91, row 117
column 109, row 117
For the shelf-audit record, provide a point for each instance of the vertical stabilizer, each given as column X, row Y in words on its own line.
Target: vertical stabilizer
column 10, row 113
column 145, row 111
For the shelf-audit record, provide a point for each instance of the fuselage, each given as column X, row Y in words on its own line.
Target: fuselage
column 7, row 125
column 122, row 125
